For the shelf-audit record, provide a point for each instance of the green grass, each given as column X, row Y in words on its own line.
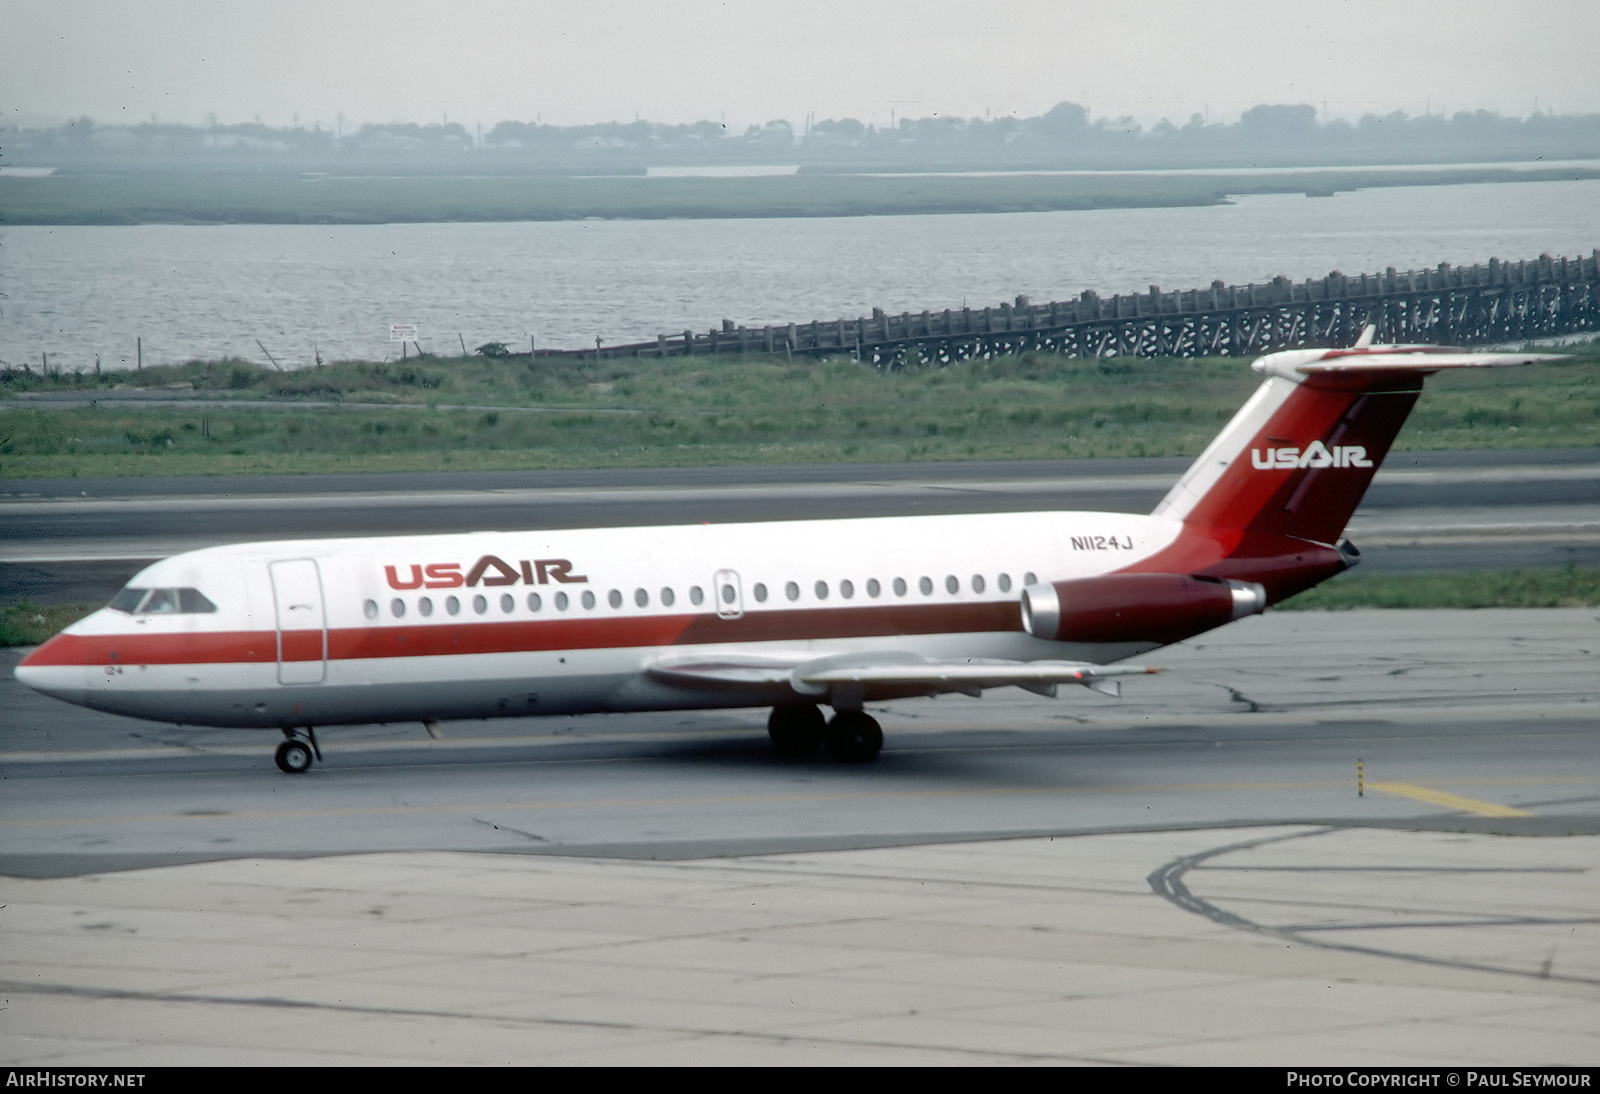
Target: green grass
column 565, row 413
column 258, row 198
column 28, row 624
column 1572, row 587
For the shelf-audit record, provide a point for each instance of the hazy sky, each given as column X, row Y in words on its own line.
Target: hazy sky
column 746, row 61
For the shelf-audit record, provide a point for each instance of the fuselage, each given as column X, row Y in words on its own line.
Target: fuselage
column 492, row 624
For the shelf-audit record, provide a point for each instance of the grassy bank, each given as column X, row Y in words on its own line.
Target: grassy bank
column 27, row 624
column 1571, row 587
column 253, row 198
column 479, row 414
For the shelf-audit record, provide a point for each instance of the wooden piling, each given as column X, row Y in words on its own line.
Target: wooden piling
column 1494, row 302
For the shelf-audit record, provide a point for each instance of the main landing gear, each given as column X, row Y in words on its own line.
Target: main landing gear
column 294, row 755
column 850, row 736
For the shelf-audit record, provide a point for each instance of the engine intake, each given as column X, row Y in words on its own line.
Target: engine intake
column 1158, row 608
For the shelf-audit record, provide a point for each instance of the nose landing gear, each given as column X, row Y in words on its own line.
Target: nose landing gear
column 295, row 754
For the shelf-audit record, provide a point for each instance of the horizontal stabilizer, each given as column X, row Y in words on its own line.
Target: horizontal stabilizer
column 1421, row 359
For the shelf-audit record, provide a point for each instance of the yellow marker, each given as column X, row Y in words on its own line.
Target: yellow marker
column 1450, row 801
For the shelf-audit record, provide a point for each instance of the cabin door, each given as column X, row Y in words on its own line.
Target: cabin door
column 302, row 621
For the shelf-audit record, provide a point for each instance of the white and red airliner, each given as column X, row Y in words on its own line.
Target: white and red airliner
column 795, row 615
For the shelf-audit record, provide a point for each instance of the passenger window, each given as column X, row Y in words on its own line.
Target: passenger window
column 508, row 603
column 977, row 583
column 696, row 594
column 1005, row 583
column 847, row 589
column 561, row 602
column 614, row 598
column 952, row 584
column 821, row 589
column 370, row 609
column 397, row 608
column 760, row 592
column 641, row 598
column 1030, row 578
column 588, row 600
column 668, row 597
column 899, row 586
column 792, row 591
column 480, row 605
column 873, row 588
column 452, row 605
column 926, row 585
column 424, row 606
column 535, row 602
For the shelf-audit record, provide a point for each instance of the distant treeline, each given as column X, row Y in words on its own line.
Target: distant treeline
column 1066, row 136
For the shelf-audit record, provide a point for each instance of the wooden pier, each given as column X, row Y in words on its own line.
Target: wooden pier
column 1447, row 305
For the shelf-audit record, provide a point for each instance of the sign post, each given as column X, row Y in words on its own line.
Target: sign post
column 403, row 333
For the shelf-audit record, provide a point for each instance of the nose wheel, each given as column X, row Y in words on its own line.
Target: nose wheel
column 295, row 754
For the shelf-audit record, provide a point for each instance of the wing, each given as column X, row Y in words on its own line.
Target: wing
column 888, row 674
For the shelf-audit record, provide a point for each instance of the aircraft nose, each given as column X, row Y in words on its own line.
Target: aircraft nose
column 45, row 672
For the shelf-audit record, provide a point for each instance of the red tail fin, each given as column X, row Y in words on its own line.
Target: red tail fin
column 1297, row 460
column 1269, row 498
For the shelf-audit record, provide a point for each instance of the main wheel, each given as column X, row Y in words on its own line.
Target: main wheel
column 853, row 736
column 796, row 730
column 294, row 757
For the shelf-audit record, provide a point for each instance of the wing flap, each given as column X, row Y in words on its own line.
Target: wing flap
column 724, row 672
column 890, row 671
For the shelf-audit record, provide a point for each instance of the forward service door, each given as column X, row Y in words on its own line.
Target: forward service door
column 302, row 621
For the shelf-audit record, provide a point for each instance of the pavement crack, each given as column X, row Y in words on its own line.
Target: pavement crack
column 536, row 838
column 180, row 743
column 1240, row 697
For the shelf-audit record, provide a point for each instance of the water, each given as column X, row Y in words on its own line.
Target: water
column 207, row 292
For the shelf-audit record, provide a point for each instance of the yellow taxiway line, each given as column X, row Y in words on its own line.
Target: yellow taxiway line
column 1449, row 801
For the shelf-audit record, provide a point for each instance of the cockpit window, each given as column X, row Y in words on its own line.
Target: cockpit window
column 136, row 601
column 128, row 599
column 193, row 600
column 160, row 602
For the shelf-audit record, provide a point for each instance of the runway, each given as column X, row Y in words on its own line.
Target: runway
column 1344, row 838
column 1261, row 722
column 1335, row 838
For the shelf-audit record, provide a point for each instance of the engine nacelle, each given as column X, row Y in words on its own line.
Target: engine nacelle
column 1159, row 608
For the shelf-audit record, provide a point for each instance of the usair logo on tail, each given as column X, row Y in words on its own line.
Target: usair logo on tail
column 1316, row 454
